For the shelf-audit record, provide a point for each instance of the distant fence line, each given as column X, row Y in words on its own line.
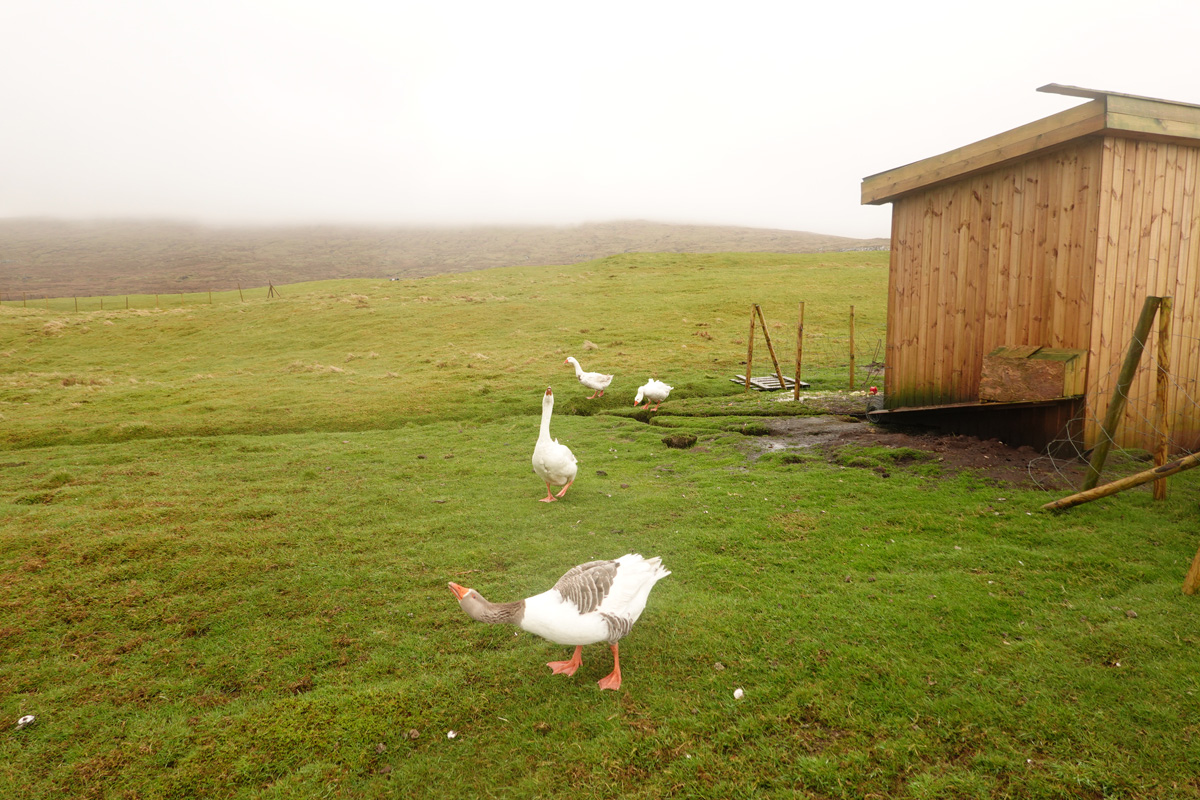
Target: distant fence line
column 860, row 345
column 134, row 301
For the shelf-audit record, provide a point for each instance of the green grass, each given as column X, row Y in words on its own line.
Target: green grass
column 223, row 565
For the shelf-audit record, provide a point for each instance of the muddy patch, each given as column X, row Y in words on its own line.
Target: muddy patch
column 990, row 459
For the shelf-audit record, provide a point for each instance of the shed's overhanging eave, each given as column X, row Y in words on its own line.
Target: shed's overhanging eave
column 1107, row 113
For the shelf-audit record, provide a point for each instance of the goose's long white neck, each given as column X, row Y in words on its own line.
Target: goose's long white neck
column 578, row 369
column 547, row 410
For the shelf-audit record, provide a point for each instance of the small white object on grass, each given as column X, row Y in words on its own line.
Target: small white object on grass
column 738, row 694
column 25, row 720
column 451, row 734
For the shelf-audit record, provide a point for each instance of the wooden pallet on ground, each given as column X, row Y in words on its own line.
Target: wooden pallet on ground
column 768, row 383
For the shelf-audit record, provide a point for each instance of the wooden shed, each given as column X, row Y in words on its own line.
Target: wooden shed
column 1047, row 239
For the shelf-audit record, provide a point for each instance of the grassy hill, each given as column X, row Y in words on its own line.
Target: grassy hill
column 228, row 531
column 40, row 258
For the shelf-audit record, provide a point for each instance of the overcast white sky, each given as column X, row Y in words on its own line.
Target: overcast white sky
column 766, row 114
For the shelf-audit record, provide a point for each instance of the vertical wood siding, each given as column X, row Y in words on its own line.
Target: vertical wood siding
column 1005, row 257
column 1149, row 245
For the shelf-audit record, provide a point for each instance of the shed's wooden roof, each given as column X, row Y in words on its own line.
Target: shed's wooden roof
column 1107, row 113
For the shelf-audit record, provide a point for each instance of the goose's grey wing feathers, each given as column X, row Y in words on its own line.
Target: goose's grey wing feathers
column 587, row 584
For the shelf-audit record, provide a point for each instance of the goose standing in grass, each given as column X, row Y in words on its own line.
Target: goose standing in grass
column 655, row 391
column 594, row 602
column 595, row 381
column 554, row 463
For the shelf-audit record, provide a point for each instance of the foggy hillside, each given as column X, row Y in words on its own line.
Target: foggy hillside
column 61, row 259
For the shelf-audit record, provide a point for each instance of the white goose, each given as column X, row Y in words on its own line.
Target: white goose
column 594, row 602
column 595, row 381
column 554, row 463
column 655, row 391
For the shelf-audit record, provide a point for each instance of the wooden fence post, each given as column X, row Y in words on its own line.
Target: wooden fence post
column 852, row 348
column 1116, row 406
column 799, row 349
column 750, row 349
column 1162, row 419
column 239, row 284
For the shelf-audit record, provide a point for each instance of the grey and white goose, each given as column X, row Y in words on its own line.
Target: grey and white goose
column 594, row 602
column 596, row 381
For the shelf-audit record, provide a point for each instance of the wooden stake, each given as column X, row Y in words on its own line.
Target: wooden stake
column 210, row 297
column 76, row 299
column 1179, row 465
column 1162, row 419
column 1192, row 581
column 852, row 348
column 750, row 349
column 243, row 299
column 1116, row 406
column 770, row 348
column 799, row 349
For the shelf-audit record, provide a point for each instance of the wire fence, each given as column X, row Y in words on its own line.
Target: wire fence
column 163, row 300
column 1143, row 424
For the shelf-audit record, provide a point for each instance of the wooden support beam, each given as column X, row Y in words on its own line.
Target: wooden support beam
column 770, row 349
column 1162, row 416
column 1166, row 470
column 1116, row 405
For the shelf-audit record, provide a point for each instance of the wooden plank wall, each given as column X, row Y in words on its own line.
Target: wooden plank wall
column 1004, row 257
column 1149, row 244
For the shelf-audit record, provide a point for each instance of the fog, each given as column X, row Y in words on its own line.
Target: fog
column 455, row 113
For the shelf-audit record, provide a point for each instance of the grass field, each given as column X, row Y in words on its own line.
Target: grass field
column 228, row 530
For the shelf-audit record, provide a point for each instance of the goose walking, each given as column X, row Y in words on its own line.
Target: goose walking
column 554, row 463
column 595, row 381
column 594, row 602
column 655, row 391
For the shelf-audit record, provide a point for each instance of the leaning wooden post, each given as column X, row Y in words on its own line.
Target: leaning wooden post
column 770, row 348
column 1162, row 419
column 1116, row 406
column 243, row 299
column 750, row 349
column 852, row 348
column 1185, row 463
column 799, row 349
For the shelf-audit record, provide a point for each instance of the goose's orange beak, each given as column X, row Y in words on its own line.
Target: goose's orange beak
column 459, row 591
